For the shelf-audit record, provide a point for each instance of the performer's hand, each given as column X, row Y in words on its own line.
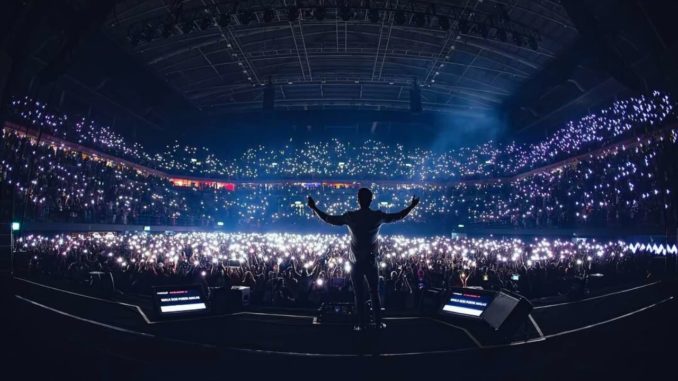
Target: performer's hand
column 310, row 202
column 414, row 202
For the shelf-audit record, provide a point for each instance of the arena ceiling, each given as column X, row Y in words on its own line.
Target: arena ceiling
column 468, row 55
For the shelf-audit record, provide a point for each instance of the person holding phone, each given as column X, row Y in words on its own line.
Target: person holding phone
column 363, row 226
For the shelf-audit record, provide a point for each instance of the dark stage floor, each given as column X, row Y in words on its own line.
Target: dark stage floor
column 624, row 332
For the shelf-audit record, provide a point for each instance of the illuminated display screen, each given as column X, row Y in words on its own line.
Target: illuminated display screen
column 467, row 303
column 180, row 300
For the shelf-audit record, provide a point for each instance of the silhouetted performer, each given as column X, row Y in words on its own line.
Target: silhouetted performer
column 364, row 224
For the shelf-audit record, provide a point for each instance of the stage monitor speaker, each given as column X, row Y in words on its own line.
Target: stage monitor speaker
column 218, row 299
column 430, row 301
column 180, row 300
column 335, row 313
column 241, row 295
column 504, row 311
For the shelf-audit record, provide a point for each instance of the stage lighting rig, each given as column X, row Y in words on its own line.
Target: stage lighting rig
column 487, row 25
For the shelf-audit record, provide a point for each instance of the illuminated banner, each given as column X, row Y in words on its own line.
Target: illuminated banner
column 179, row 300
column 468, row 302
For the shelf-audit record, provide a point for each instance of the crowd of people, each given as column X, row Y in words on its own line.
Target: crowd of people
column 626, row 183
column 369, row 160
column 306, row 269
column 612, row 169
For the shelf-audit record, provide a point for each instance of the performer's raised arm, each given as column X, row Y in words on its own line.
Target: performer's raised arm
column 392, row 217
column 330, row 219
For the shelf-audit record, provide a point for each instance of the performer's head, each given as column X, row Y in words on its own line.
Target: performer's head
column 364, row 198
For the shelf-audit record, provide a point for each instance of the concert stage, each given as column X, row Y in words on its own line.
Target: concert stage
column 259, row 332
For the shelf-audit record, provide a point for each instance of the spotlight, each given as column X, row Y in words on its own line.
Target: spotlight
column 419, row 19
column 224, row 20
column 268, row 15
column 319, row 13
column 293, row 13
column 444, row 23
column 345, row 13
column 373, row 15
column 399, row 18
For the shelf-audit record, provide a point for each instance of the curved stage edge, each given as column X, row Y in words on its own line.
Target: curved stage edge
column 292, row 334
